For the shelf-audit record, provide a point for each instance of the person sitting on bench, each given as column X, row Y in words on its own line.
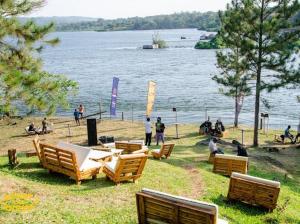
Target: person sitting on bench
column 213, row 147
column 241, row 151
column 32, row 128
column 206, row 127
column 219, row 128
column 287, row 134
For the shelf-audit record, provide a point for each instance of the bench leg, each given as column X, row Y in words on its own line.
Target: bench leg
column 78, row 182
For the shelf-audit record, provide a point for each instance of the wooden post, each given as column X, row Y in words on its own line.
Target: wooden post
column 264, row 125
column 176, row 123
column 100, row 110
column 177, row 135
column 122, row 116
column 69, row 130
column 260, row 123
column 12, row 157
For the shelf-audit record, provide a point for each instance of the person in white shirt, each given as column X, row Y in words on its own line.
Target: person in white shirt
column 148, row 130
column 213, row 147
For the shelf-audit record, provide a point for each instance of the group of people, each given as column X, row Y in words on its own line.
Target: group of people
column 241, row 151
column 78, row 114
column 207, row 128
column 45, row 127
column 159, row 131
column 287, row 134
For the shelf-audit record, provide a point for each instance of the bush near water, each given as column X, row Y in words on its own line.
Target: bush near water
column 215, row 43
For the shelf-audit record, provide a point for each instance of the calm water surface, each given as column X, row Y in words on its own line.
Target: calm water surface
column 183, row 77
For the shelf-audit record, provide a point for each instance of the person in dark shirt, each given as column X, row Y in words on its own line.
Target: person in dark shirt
column 76, row 116
column 206, row 127
column 31, row 127
column 219, row 127
column 241, row 151
column 160, row 128
column 287, row 134
column 44, row 126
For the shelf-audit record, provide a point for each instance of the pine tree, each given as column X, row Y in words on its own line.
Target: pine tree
column 233, row 76
column 268, row 44
column 22, row 79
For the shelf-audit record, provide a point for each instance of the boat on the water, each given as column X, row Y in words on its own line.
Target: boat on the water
column 150, row 46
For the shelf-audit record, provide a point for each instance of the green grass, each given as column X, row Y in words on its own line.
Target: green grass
column 186, row 173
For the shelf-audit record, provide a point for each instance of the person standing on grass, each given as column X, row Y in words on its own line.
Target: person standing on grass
column 148, row 131
column 76, row 116
column 81, row 110
column 160, row 128
column 213, row 147
column 44, row 126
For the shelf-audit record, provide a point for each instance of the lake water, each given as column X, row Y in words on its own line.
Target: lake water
column 183, row 77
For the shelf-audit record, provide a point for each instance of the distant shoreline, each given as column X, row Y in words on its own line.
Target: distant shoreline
column 106, row 31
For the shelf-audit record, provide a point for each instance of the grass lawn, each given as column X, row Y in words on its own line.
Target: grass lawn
column 57, row 199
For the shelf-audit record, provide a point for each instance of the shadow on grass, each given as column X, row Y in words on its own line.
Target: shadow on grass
column 190, row 135
column 34, row 172
column 21, row 136
column 246, row 209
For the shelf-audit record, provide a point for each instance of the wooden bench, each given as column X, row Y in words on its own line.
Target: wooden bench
column 36, row 143
column 129, row 148
column 211, row 158
column 226, row 164
column 125, row 167
column 159, row 208
column 254, row 190
column 165, row 150
column 64, row 161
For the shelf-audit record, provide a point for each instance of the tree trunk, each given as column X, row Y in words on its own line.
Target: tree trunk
column 258, row 78
column 236, row 115
column 256, row 113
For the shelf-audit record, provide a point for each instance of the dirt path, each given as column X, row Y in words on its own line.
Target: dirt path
column 197, row 183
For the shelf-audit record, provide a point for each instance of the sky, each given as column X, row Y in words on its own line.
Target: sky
column 111, row 9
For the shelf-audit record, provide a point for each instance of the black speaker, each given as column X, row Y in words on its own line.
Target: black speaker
column 92, row 131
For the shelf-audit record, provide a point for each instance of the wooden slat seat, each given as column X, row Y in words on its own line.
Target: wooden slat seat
column 64, row 161
column 125, row 167
column 157, row 207
column 130, row 147
column 36, row 144
column 142, row 142
column 226, row 164
column 165, row 150
column 254, row 190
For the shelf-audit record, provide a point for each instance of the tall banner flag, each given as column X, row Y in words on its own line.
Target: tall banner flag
column 114, row 94
column 151, row 97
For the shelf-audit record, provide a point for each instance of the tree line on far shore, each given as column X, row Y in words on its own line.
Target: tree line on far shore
column 208, row 21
